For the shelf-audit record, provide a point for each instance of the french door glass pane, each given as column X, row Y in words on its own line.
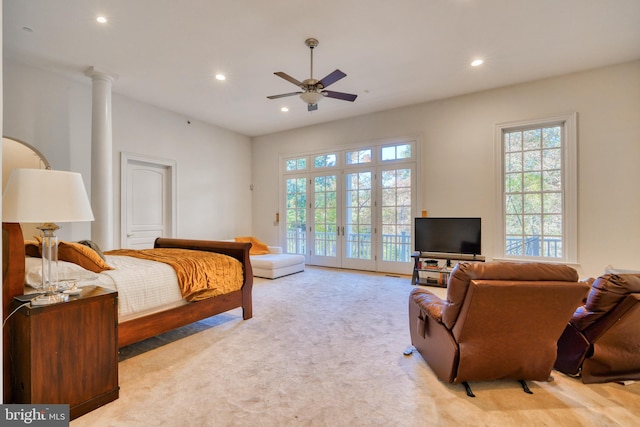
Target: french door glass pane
column 325, row 215
column 358, row 222
column 296, row 216
column 396, row 215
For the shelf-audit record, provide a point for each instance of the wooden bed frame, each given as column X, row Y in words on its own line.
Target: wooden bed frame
column 131, row 331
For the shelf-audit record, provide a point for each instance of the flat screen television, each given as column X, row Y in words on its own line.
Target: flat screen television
column 448, row 235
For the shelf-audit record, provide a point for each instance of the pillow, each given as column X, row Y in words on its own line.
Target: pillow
column 32, row 248
column 257, row 247
column 82, row 255
column 66, row 271
column 611, row 270
column 93, row 245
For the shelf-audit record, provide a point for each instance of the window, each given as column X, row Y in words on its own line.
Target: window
column 396, row 152
column 538, row 190
column 296, row 164
column 358, row 157
column 296, row 215
column 325, row 161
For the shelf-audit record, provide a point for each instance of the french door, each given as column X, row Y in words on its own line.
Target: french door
column 358, row 233
column 325, row 214
column 358, row 216
column 397, row 201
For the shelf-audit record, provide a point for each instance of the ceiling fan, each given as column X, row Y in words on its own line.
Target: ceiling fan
column 314, row 90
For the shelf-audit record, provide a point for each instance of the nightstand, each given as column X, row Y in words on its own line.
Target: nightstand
column 67, row 353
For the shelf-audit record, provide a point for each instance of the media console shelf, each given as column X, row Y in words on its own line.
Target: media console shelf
column 427, row 268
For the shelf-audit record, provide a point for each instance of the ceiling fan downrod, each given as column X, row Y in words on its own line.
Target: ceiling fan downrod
column 311, row 43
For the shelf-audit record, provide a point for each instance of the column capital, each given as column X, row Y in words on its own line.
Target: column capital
column 98, row 74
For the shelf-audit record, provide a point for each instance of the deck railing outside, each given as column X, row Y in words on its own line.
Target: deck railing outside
column 395, row 247
column 534, row 246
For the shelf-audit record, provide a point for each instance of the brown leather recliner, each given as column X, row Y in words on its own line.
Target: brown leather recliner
column 602, row 341
column 499, row 321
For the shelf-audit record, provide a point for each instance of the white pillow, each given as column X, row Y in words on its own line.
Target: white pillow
column 611, row 270
column 66, row 271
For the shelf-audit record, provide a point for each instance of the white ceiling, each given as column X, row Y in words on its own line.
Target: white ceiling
column 395, row 53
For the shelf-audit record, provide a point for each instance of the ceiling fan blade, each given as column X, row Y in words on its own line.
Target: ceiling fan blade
column 312, row 107
column 288, row 78
column 340, row 95
column 282, row 95
column 332, row 78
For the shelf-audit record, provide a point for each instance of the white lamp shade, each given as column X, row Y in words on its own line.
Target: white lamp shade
column 311, row 97
column 42, row 195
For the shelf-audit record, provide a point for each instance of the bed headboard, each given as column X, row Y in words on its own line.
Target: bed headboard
column 12, row 285
column 12, row 262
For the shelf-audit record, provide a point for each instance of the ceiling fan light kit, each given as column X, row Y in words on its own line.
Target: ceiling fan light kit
column 311, row 97
column 313, row 90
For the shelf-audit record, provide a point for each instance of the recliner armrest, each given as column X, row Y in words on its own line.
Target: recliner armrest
column 429, row 303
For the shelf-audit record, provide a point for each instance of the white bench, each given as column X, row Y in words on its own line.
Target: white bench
column 276, row 264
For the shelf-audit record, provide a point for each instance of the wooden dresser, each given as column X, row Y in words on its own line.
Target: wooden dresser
column 67, row 353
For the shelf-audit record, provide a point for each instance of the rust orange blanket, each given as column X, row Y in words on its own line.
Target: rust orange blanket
column 200, row 274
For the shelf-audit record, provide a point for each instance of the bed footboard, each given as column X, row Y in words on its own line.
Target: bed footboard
column 145, row 327
column 237, row 250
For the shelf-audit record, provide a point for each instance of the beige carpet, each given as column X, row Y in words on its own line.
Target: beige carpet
column 324, row 348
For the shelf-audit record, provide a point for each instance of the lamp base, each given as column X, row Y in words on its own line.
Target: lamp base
column 49, row 299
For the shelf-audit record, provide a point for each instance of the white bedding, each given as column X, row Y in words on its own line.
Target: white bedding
column 143, row 286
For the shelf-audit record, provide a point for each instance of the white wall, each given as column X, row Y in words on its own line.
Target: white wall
column 53, row 114
column 214, row 167
column 457, row 138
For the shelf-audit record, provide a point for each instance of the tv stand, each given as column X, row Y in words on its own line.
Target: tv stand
column 428, row 271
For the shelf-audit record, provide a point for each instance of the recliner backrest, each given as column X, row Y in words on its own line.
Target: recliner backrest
column 509, row 328
column 606, row 293
column 602, row 340
column 465, row 272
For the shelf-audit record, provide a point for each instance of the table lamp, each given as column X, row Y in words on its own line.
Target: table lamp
column 48, row 197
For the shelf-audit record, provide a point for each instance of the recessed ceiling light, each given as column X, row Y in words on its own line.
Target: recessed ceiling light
column 221, row 77
column 476, row 62
column 101, row 19
column 284, row 109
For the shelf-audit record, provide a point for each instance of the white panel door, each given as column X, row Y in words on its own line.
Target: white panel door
column 148, row 203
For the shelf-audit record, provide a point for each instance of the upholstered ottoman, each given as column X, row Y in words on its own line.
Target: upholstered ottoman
column 276, row 264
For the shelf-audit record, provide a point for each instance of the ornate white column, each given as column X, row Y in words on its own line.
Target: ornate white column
column 101, row 158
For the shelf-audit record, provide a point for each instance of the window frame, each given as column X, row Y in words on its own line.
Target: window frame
column 568, row 122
